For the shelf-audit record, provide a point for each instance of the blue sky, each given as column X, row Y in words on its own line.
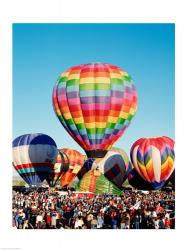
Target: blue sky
column 42, row 51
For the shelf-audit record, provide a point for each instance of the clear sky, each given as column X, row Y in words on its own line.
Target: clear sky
column 42, row 51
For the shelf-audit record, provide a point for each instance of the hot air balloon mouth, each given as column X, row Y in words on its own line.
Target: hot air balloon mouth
column 97, row 153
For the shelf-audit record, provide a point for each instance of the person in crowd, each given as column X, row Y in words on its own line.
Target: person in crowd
column 39, row 219
column 156, row 223
column 94, row 223
column 100, row 221
column 53, row 219
column 161, row 223
column 167, row 223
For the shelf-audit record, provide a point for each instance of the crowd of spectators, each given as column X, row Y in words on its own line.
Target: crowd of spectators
column 132, row 210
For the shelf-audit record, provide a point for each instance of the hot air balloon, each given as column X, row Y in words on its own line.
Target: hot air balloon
column 75, row 163
column 59, row 168
column 153, row 159
column 115, row 166
column 95, row 103
column 33, row 157
column 95, row 182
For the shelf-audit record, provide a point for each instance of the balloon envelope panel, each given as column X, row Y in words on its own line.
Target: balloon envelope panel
column 95, row 103
column 33, row 157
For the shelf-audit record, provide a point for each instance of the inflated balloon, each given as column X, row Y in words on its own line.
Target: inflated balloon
column 94, row 181
column 95, row 103
column 153, row 159
column 33, row 157
column 115, row 166
column 60, row 167
column 75, row 163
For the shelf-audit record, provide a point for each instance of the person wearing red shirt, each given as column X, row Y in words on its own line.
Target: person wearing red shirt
column 167, row 223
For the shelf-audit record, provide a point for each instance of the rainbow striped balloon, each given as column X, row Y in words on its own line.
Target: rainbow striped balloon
column 95, row 103
column 153, row 159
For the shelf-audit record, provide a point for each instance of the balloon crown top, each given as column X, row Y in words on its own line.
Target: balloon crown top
column 99, row 67
column 93, row 64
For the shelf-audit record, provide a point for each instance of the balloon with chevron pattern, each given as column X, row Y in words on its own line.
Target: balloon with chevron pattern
column 153, row 159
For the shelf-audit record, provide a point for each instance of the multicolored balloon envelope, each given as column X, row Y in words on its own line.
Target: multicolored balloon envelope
column 59, row 168
column 33, row 157
column 115, row 166
column 95, row 103
column 153, row 159
column 75, row 161
column 94, row 181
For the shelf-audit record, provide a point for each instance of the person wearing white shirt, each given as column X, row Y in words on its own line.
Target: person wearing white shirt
column 39, row 218
column 156, row 223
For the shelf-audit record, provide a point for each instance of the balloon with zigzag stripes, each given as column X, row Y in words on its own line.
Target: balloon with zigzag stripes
column 153, row 159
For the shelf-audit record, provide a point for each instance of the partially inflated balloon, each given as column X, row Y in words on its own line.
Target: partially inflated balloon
column 94, row 181
column 33, row 157
column 153, row 159
column 128, row 165
column 95, row 103
column 115, row 166
column 75, row 161
column 59, row 168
